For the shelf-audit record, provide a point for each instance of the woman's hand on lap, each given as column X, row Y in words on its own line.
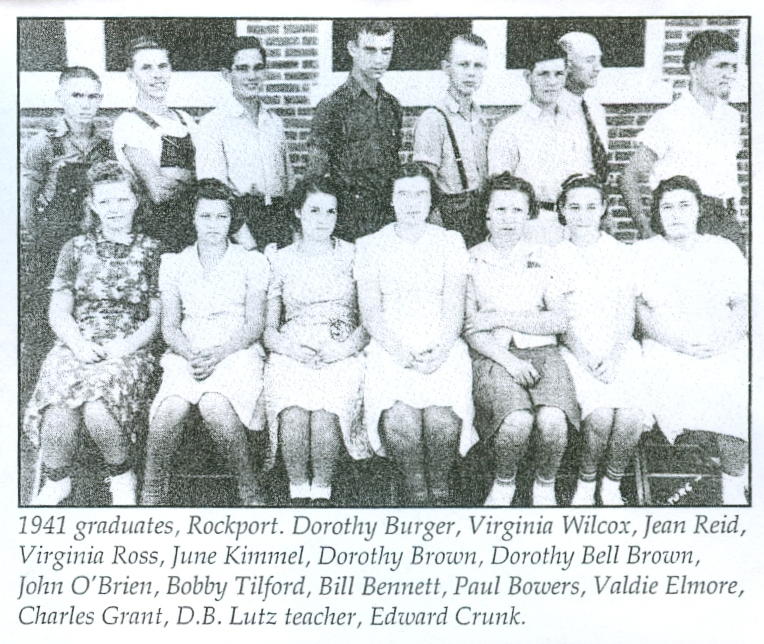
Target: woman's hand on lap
column 522, row 371
column 88, row 352
column 117, row 348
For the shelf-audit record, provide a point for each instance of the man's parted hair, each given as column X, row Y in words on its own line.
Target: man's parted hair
column 470, row 39
column 76, row 71
column 374, row 27
column 705, row 44
column 238, row 44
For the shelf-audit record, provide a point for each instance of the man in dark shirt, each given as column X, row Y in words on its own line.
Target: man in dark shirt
column 356, row 134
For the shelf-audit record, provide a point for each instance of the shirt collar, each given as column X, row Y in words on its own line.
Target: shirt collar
column 62, row 129
column 689, row 102
column 452, row 105
column 536, row 112
column 356, row 88
column 232, row 107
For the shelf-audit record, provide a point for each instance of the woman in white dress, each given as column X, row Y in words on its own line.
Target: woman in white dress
column 213, row 310
column 516, row 304
column 417, row 394
column 693, row 313
column 603, row 357
column 155, row 143
column 314, row 373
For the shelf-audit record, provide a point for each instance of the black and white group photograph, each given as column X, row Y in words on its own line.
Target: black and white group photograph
column 384, row 262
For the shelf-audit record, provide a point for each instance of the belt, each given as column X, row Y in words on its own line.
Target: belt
column 547, row 205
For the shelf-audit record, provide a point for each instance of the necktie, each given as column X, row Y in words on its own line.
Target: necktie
column 599, row 153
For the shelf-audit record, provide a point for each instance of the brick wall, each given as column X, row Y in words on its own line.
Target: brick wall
column 292, row 69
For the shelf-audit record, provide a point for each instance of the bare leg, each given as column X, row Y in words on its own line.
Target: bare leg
column 58, row 445
column 441, row 438
column 509, row 444
column 596, row 430
column 553, row 437
column 401, row 433
column 325, row 442
column 163, row 439
column 294, row 438
column 734, row 464
column 228, row 433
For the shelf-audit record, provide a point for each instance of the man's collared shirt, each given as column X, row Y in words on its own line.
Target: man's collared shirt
column 250, row 157
column 47, row 152
column 571, row 103
column 356, row 138
column 433, row 145
column 544, row 148
column 688, row 140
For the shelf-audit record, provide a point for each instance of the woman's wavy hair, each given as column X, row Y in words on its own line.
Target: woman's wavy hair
column 308, row 185
column 108, row 172
column 579, row 181
column 216, row 190
column 677, row 182
column 507, row 181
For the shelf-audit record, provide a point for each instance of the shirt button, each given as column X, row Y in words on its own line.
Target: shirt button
column 73, row 190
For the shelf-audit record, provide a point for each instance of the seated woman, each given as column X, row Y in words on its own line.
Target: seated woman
column 693, row 313
column 314, row 373
column 603, row 357
column 418, row 396
column 104, row 311
column 213, row 309
column 156, row 143
column 516, row 303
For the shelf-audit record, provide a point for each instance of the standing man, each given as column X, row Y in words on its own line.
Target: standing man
column 698, row 136
column 539, row 142
column 356, row 134
column 451, row 139
column 243, row 145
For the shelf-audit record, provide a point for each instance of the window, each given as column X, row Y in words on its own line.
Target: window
column 419, row 43
column 622, row 40
column 195, row 44
column 42, row 45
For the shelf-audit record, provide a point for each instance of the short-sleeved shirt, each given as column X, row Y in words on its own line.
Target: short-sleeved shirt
column 213, row 302
column 690, row 141
column 46, row 153
column 250, row 157
column 411, row 277
column 131, row 130
column 521, row 280
column 360, row 136
column 433, row 145
column 572, row 103
column 690, row 289
column 541, row 147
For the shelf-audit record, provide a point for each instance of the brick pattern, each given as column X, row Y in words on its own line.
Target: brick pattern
column 293, row 68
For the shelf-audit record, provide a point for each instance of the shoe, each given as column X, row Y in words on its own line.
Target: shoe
column 122, row 488
column 543, row 495
column 501, row 494
column 53, row 492
column 584, row 496
column 322, row 503
column 610, row 492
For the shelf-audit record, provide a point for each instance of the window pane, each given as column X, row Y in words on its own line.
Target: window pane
column 195, row 44
column 419, row 43
column 622, row 40
column 42, row 45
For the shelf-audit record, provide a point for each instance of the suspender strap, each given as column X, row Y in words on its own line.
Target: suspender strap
column 457, row 154
column 149, row 120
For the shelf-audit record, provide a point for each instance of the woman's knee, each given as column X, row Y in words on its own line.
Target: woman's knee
column 171, row 412
column 402, row 425
column 552, row 424
column 215, row 409
column 96, row 415
column 733, row 454
column 293, row 417
column 516, row 426
column 440, row 422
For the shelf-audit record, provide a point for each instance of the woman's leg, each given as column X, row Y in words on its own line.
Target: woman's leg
column 229, row 434
column 294, row 438
column 628, row 426
column 114, row 444
column 58, row 445
column 553, row 438
column 401, row 433
column 165, row 431
column 734, row 464
column 596, row 430
column 325, row 442
column 509, row 444
column 441, row 428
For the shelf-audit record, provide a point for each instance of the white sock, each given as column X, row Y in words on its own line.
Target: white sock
column 584, row 495
column 733, row 489
column 502, row 492
column 299, row 490
column 543, row 493
column 320, row 491
column 610, row 492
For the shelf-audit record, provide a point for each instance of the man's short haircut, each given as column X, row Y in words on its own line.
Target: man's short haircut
column 678, row 182
column 470, row 39
column 374, row 27
column 705, row 44
column 507, row 182
column 142, row 42
column 240, row 43
column 572, row 40
column 77, row 72
column 214, row 190
column 541, row 52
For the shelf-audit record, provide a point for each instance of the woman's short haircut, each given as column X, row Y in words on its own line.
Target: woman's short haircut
column 107, row 172
column 678, row 182
column 414, row 169
column 216, row 190
column 308, row 185
column 705, row 44
column 579, row 181
column 506, row 182
column 239, row 44
column 142, row 42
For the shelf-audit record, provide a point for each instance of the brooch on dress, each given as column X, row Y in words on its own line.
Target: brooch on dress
column 340, row 330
